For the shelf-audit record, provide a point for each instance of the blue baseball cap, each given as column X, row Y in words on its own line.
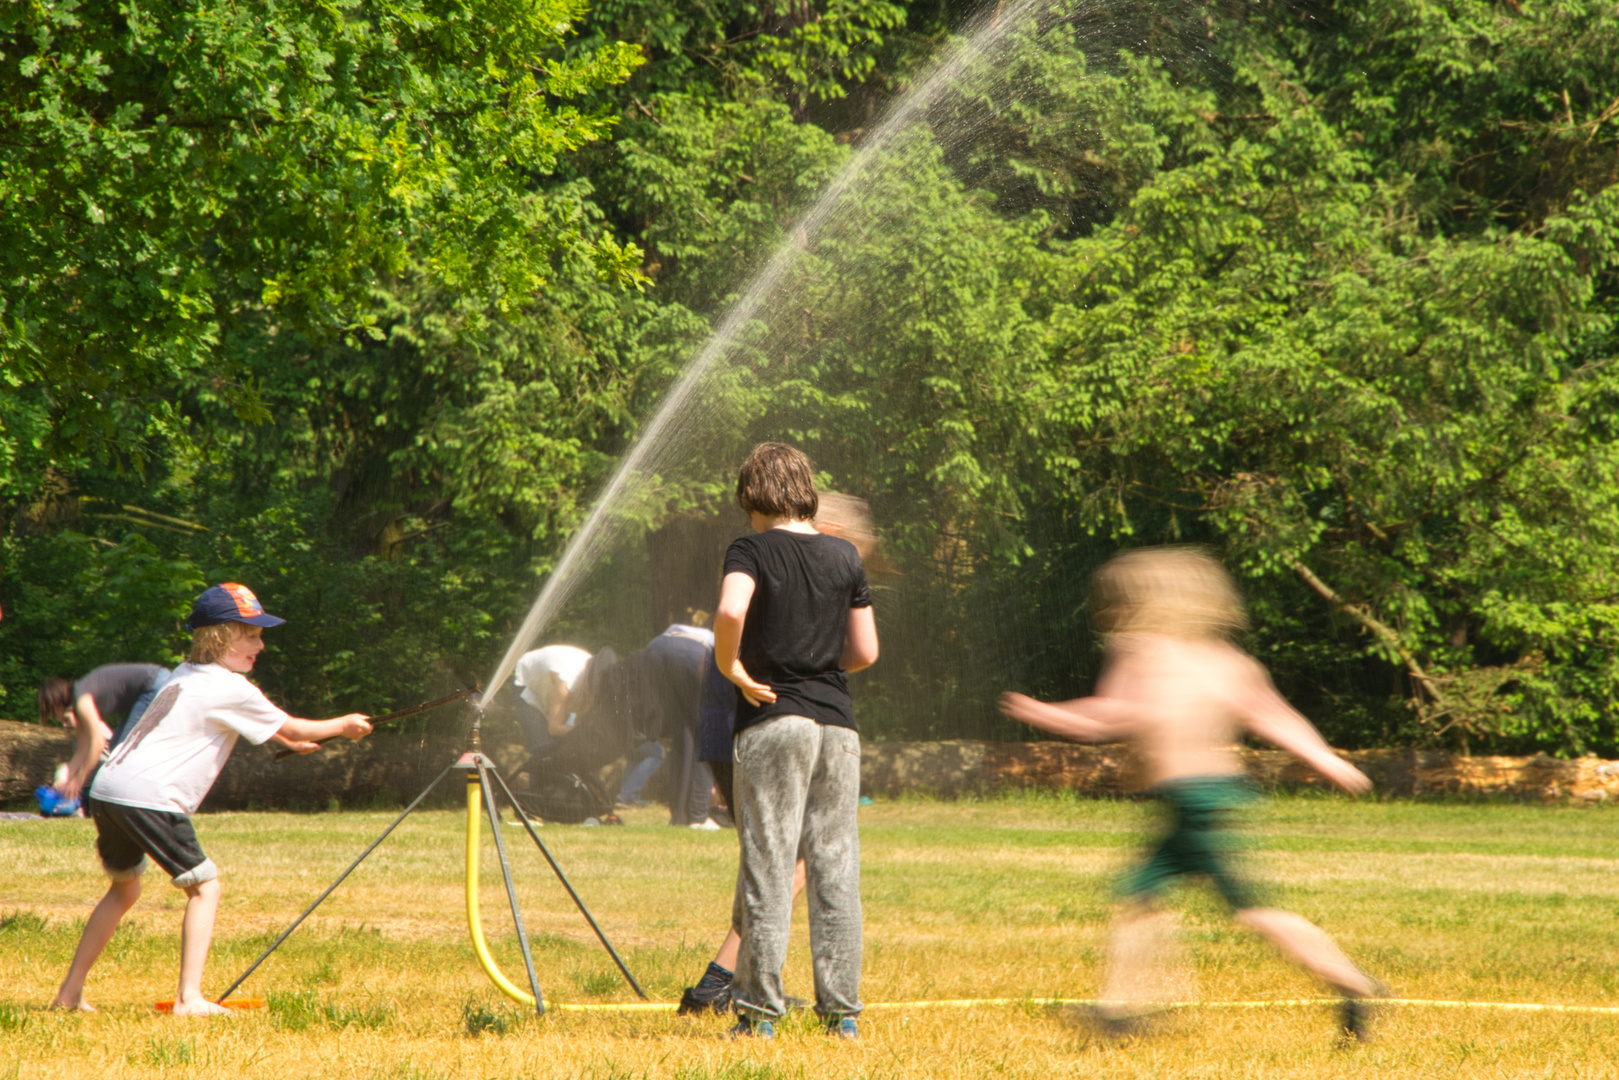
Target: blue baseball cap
column 229, row 602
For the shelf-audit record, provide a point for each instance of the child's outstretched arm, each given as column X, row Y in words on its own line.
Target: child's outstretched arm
column 736, row 593
column 1092, row 719
column 304, row 735
column 1268, row 715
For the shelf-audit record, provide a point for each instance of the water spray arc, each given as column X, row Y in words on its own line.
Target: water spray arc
column 652, row 449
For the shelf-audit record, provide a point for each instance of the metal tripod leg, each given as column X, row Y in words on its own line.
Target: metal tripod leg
column 329, row 890
column 506, row 872
column 521, row 816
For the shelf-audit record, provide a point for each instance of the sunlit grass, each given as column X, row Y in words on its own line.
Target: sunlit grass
column 1002, row 898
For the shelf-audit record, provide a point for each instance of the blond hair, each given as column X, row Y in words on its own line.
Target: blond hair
column 209, row 644
column 1179, row 591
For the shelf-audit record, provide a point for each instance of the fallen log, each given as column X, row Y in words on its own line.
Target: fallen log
column 390, row 766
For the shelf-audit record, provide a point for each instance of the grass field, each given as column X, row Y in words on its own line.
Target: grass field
column 1002, row 898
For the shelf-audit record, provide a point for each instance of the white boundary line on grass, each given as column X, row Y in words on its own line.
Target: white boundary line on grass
column 981, row 1003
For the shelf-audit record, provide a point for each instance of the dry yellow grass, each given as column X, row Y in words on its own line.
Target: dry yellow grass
column 1004, row 898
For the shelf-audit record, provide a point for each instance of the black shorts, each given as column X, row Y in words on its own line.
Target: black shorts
column 126, row 835
column 1198, row 841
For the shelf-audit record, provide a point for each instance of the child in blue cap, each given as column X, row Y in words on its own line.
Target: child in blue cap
column 142, row 797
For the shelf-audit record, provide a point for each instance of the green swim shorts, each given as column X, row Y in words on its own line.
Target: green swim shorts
column 1199, row 839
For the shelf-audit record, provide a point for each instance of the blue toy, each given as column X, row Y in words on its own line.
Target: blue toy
column 52, row 804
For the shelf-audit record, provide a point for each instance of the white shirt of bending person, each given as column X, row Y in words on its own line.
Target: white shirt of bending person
column 535, row 669
column 696, row 633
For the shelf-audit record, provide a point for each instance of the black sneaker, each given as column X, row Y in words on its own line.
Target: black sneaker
column 1355, row 1014
column 711, row 994
column 1355, row 1019
column 1093, row 1019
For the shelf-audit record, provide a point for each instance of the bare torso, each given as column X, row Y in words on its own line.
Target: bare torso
column 1178, row 700
column 1182, row 704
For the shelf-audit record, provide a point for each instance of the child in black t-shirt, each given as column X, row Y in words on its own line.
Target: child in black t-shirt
column 794, row 618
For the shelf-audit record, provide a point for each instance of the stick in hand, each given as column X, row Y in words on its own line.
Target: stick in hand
column 400, row 715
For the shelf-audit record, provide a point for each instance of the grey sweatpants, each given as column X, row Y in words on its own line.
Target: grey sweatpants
column 798, row 794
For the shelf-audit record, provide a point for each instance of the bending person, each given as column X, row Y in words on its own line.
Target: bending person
column 670, row 670
column 1176, row 688
column 545, row 679
column 623, row 707
column 89, row 708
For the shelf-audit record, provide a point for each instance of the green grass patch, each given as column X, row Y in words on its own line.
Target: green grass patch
column 300, row 1010
column 482, row 1017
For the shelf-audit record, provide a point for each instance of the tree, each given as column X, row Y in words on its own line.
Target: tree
column 173, row 169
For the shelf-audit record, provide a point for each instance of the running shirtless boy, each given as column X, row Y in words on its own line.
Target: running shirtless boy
column 1177, row 690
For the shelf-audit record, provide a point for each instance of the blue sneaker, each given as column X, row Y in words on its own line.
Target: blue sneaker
column 843, row 1027
column 749, row 1028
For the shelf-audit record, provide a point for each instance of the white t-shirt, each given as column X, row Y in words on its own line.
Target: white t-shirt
column 696, row 633
column 176, row 751
column 534, row 671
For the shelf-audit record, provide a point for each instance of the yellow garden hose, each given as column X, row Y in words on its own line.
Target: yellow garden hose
column 474, row 924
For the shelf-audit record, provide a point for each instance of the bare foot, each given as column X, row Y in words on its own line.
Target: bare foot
column 199, row 1007
column 80, row 1005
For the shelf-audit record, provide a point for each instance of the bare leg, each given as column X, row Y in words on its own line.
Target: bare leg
column 121, row 896
column 1307, row 945
column 196, row 933
column 726, row 957
column 1145, row 972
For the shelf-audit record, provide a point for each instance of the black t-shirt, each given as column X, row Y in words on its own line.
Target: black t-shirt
column 114, row 688
column 792, row 639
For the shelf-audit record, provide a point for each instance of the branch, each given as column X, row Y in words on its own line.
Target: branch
column 1381, row 630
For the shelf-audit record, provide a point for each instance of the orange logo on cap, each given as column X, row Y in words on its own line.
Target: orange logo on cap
column 246, row 602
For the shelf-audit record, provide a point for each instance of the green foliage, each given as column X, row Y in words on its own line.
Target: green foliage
column 1268, row 341
column 743, row 48
column 77, row 598
column 361, row 318
column 173, row 169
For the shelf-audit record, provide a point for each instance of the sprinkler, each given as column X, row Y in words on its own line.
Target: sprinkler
column 482, row 779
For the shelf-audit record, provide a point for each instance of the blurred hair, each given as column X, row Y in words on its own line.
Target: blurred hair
column 1179, row 591
column 777, row 481
column 55, row 695
column 209, row 644
column 849, row 517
